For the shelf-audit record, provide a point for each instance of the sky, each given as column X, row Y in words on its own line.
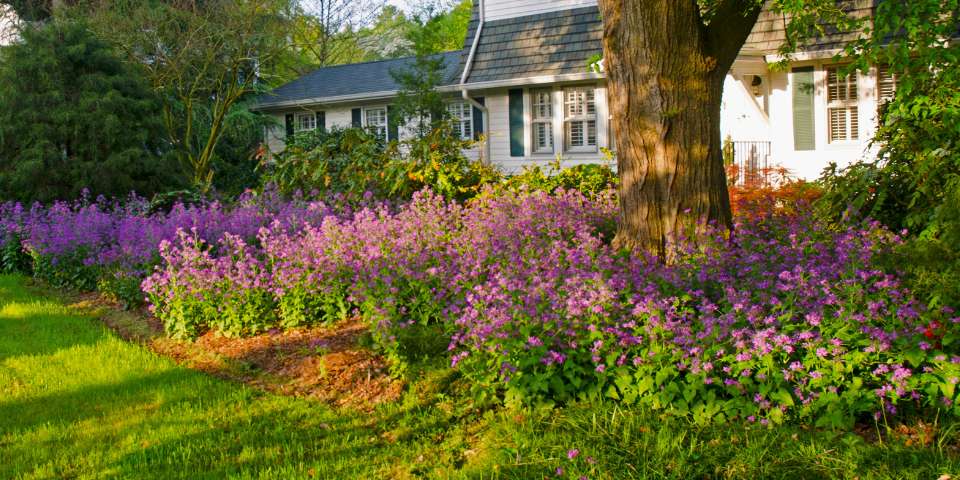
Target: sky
column 411, row 5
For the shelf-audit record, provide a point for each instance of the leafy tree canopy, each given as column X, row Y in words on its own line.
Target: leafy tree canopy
column 73, row 116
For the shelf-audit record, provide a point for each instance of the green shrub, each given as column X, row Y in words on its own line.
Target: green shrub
column 122, row 287
column 437, row 162
column 75, row 117
column 590, row 179
column 344, row 160
column 355, row 162
column 244, row 312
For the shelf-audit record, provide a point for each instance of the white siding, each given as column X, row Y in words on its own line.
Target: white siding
column 501, row 9
column 339, row 117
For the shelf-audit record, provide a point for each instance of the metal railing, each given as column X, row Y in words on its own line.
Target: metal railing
column 751, row 163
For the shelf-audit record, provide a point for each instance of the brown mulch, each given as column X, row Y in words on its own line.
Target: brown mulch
column 322, row 363
column 326, row 364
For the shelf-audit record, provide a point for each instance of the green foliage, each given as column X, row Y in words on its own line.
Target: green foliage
column 434, row 156
column 13, row 258
column 204, row 61
column 355, row 162
column 163, row 202
column 436, row 26
column 303, row 307
column 419, row 105
column 238, row 153
column 73, row 116
column 437, row 161
column 122, row 287
column 442, row 29
column 591, row 179
column 337, row 160
column 31, row 10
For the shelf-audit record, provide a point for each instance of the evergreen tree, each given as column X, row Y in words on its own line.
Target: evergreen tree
column 74, row 117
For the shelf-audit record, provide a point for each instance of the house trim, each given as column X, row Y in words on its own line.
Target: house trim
column 353, row 98
column 528, row 81
column 388, row 94
column 804, row 56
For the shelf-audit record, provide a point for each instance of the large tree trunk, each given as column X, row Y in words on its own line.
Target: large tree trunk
column 665, row 67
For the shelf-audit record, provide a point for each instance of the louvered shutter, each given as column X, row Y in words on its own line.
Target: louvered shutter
column 516, row 123
column 322, row 121
column 804, row 123
column 478, row 119
column 393, row 125
column 356, row 118
column 288, row 121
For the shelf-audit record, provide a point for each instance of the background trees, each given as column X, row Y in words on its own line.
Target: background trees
column 202, row 59
column 202, row 64
column 74, row 116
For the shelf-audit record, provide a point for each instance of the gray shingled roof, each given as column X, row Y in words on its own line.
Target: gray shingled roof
column 352, row 79
column 554, row 43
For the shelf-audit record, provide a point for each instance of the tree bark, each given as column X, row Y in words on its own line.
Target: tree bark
column 666, row 61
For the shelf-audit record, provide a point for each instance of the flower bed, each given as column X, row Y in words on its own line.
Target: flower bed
column 788, row 318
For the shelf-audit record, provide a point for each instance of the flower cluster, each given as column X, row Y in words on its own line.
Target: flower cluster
column 93, row 242
column 785, row 318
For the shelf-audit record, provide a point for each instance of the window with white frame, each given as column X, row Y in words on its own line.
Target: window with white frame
column 886, row 83
column 580, row 119
column 461, row 117
column 541, row 101
column 306, row 122
column 842, row 106
column 376, row 121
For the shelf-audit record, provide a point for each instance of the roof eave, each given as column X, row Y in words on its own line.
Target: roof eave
column 354, row 97
column 525, row 81
column 388, row 94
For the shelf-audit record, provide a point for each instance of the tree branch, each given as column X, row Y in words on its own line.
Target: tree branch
column 729, row 27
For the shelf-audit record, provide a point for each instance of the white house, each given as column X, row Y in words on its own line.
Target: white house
column 522, row 83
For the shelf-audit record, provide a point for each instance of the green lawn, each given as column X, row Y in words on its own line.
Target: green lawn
column 78, row 402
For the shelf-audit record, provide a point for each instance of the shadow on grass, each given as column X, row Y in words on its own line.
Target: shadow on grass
column 183, row 424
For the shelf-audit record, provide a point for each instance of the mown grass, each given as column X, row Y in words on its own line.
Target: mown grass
column 78, row 402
